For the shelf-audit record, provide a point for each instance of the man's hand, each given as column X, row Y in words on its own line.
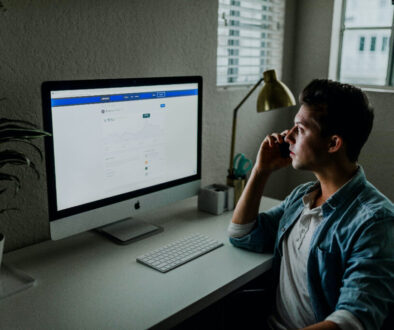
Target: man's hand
column 269, row 158
column 324, row 325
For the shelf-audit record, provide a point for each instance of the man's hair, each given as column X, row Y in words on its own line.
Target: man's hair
column 343, row 110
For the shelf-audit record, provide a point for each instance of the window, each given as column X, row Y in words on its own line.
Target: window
column 250, row 40
column 384, row 43
column 362, row 43
column 373, row 44
column 366, row 45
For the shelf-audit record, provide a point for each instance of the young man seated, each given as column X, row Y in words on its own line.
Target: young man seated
column 333, row 239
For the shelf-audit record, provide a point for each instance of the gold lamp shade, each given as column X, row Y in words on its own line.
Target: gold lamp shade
column 274, row 94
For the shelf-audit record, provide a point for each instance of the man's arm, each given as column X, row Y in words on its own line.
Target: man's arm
column 325, row 325
column 267, row 161
column 247, row 207
column 368, row 281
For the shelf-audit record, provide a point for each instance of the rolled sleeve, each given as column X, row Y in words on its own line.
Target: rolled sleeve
column 238, row 230
column 262, row 237
column 345, row 320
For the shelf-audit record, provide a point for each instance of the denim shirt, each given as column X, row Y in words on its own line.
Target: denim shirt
column 351, row 256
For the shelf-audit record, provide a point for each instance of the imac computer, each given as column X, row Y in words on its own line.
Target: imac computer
column 119, row 147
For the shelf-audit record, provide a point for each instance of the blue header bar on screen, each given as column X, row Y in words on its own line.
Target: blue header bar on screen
column 121, row 97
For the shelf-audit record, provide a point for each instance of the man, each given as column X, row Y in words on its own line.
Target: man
column 333, row 240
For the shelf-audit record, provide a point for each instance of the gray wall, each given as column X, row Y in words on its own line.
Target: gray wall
column 56, row 40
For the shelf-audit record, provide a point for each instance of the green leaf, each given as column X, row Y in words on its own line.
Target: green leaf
column 10, row 177
column 37, row 149
column 14, row 129
column 12, row 157
column 6, row 121
column 15, row 133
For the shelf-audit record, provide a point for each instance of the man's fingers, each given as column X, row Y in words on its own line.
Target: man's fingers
column 269, row 157
column 274, row 137
column 278, row 137
column 284, row 132
column 270, row 140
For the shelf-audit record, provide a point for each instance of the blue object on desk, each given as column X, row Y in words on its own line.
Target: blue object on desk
column 241, row 165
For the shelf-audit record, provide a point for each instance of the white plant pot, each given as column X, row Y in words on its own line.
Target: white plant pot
column 1, row 247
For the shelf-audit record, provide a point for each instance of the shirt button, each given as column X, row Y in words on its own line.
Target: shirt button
column 283, row 229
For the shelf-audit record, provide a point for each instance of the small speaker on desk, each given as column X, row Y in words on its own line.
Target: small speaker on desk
column 216, row 199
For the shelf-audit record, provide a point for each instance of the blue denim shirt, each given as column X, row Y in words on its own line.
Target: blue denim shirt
column 351, row 256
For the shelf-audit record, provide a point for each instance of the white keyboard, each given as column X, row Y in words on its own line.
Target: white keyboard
column 179, row 252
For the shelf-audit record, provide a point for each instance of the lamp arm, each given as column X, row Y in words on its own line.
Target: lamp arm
column 235, row 112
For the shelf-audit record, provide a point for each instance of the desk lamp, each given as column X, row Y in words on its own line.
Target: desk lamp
column 273, row 95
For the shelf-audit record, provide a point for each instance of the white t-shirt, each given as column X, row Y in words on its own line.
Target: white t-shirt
column 293, row 306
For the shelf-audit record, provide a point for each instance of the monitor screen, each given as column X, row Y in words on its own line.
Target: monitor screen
column 117, row 143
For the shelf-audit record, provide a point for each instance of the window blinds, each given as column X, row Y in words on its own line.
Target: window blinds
column 250, row 40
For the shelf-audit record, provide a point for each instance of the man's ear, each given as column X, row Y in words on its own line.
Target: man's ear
column 335, row 143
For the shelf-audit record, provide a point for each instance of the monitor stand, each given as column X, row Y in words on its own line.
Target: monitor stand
column 128, row 230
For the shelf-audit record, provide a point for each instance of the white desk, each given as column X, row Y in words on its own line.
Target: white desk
column 88, row 282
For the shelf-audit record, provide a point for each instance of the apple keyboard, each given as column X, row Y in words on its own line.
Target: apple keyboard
column 179, row 252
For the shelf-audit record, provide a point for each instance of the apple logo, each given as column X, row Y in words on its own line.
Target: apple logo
column 137, row 205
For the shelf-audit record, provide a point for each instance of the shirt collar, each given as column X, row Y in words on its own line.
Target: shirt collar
column 310, row 197
column 308, row 200
column 346, row 192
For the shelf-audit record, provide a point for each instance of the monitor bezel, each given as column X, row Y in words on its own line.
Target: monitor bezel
column 49, row 86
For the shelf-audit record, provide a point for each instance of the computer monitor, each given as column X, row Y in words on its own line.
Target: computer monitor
column 119, row 147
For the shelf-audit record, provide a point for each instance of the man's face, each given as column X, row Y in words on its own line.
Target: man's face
column 309, row 151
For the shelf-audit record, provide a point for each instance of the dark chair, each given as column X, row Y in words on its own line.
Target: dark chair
column 248, row 307
column 388, row 324
column 251, row 300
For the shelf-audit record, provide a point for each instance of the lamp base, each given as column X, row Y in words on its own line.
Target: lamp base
column 239, row 186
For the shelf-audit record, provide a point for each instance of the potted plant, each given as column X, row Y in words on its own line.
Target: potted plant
column 14, row 133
